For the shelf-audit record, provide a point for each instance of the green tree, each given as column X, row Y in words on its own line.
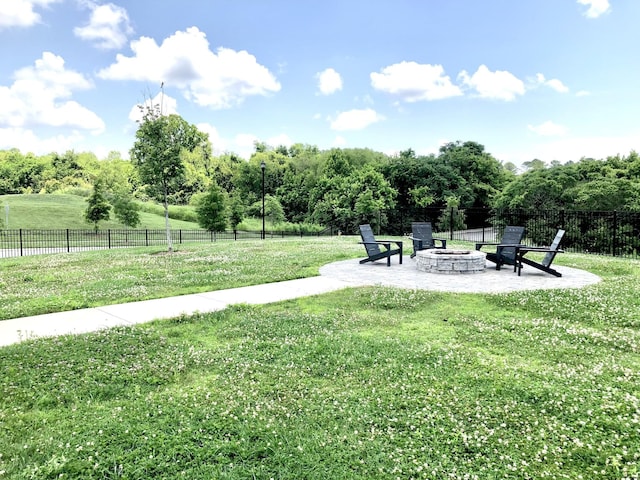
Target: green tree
column 126, row 210
column 236, row 211
column 156, row 153
column 484, row 175
column 211, row 209
column 273, row 210
column 98, row 207
column 452, row 217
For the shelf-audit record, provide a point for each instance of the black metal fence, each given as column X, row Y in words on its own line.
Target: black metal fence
column 615, row 233
column 22, row 242
column 604, row 233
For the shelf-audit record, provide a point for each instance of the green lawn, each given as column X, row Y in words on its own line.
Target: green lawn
column 362, row 383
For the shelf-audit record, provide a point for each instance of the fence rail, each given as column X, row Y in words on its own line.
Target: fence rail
column 22, row 242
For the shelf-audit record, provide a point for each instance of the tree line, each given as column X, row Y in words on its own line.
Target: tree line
column 172, row 163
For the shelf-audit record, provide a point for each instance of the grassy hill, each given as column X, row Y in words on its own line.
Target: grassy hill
column 67, row 211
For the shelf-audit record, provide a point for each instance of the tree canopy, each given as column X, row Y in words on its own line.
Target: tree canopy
column 171, row 162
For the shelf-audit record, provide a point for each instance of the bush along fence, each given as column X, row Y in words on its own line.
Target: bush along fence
column 615, row 233
column 22, row 242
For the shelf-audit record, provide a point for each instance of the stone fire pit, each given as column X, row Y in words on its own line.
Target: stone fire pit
column 448, row 261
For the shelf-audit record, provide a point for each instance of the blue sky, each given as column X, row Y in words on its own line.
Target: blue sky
column 547, row 79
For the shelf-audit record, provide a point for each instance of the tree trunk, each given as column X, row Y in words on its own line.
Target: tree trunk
column 166, row 222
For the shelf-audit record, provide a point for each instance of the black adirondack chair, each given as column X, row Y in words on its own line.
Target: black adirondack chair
column 422, row 237
column 545, row 264
column 506, row 249
column 374, row 252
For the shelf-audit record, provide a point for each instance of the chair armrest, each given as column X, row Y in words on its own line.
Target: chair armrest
column 525, row 249
column 499, row 245
column 480, row 245
column 397, row 242
column 383, row 242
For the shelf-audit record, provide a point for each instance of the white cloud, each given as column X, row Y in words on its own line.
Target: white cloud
column 282, row 139
column 596, row 7
column 329, row 81
column 218, row 144
column 184, row 61
column 554, row 83
column 243, row 144
column 26, row 140
column 355, row 119
column 40, row 95
column 167, row 104
column 108, row 27
column 499, row 85
column 548, row 129
column 21, row 13
column 339, row 141
column 575, row 148
column 414, row 82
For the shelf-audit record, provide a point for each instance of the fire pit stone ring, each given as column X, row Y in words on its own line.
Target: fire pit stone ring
column 450, row 261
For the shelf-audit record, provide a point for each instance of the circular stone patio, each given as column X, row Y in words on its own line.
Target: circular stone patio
column 490, row 281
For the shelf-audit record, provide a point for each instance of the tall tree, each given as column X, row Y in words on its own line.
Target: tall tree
column 156, row 153
column 98, row 207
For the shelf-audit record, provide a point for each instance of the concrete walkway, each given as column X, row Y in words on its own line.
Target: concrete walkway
column 335, row 276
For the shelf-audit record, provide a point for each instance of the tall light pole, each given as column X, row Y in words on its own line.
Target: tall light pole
column 263, row 166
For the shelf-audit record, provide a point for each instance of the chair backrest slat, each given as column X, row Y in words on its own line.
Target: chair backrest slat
column 512, row 235
column 424, row 232
column 555, row 245
column 366, row 233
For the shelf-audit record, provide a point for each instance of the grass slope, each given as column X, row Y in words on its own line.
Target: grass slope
column 67, row 211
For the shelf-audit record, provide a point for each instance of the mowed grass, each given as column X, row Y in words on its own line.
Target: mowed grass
column 53, row 212
column 59, row 282
column 361, row 383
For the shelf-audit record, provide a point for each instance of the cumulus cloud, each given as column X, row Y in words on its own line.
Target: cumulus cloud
column 548, row 129
column 499, row 85
column 40, row 95
column 355, row 119
column 167, row 105
column 575, row 148
column 108, row 26
column 329, row 81
column 278, row 140
column 184, row 61
column 26, row 140
column 554, row 83
column 413, row 82
column 596, row 7
column 339, row 141
column 21, row 13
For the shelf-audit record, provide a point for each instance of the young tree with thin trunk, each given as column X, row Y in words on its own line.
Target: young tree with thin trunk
column 160, row 139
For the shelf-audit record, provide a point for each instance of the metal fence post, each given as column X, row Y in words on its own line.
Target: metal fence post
column 451, row 223
column 68, row 242
column 614, row 234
